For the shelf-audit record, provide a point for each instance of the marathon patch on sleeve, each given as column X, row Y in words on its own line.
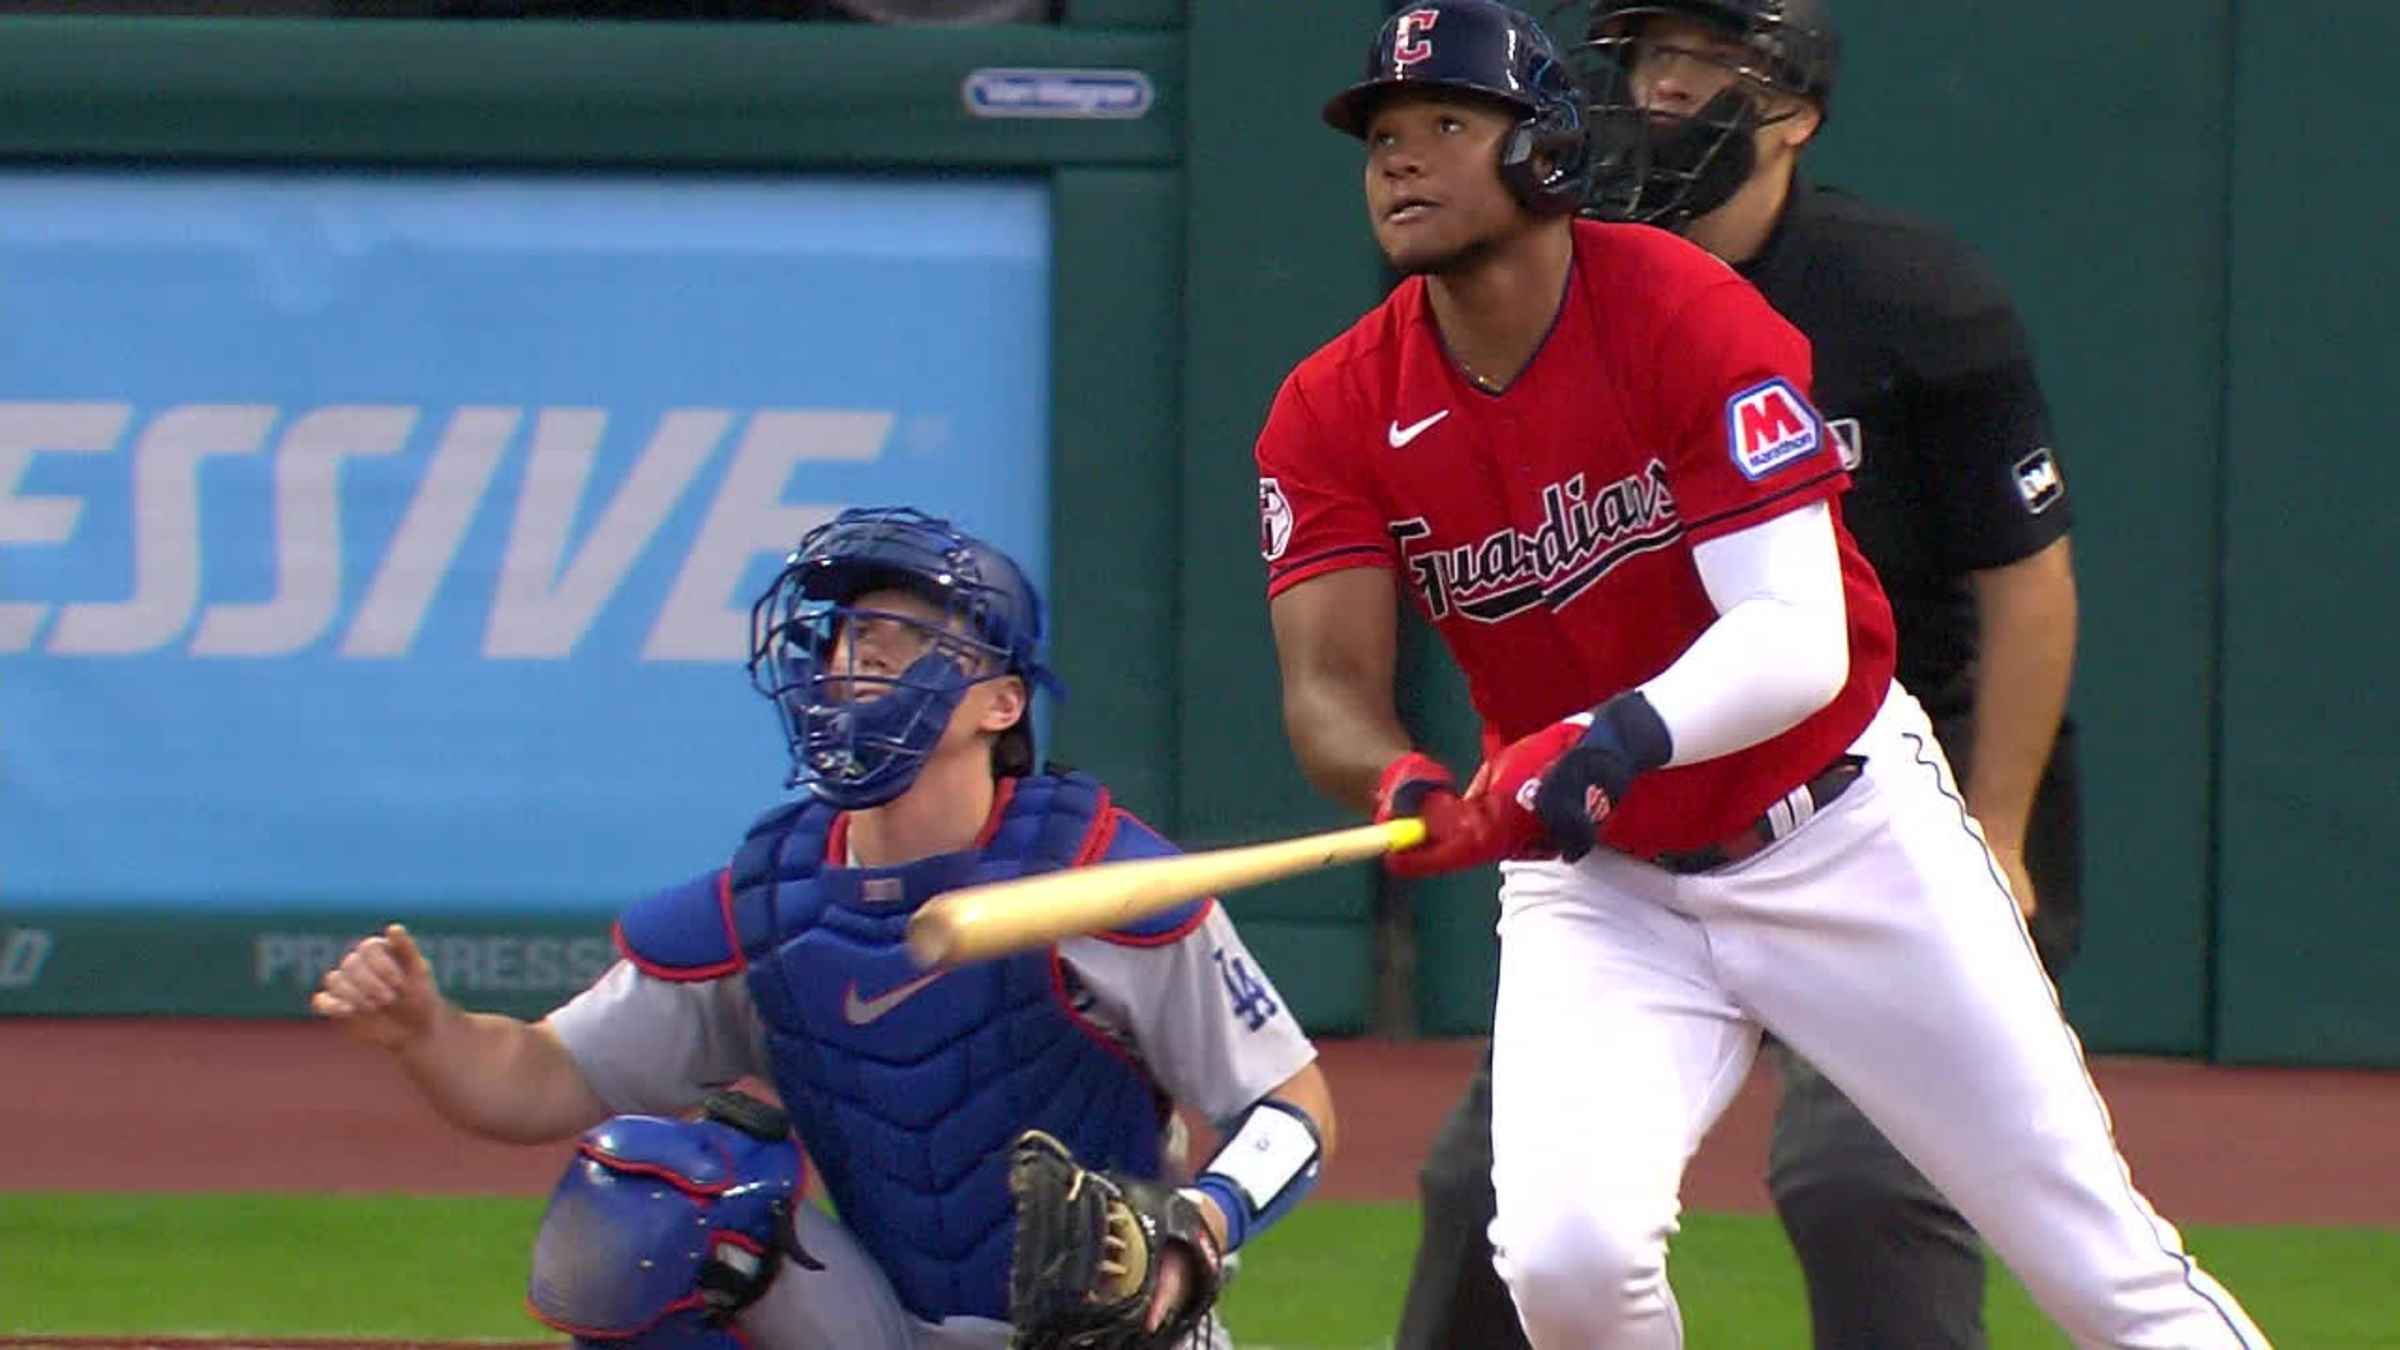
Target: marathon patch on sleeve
column 2039, row 481
column 1274, row 520
column 1769, row 427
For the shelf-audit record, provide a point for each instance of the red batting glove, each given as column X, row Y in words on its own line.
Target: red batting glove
column 1505, row 787
column 1458, row 832
column 1401, row 789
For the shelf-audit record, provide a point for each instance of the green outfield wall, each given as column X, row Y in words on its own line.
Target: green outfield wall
column 2181, row 198
column 2308, row 868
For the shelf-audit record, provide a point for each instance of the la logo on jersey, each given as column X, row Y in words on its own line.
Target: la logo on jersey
column 1768, row 426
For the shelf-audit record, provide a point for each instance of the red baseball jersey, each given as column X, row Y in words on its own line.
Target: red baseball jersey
column 1547, row 530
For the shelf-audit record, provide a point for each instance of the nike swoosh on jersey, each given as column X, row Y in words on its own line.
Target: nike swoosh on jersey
column 860, row 1011
column 1402, row 435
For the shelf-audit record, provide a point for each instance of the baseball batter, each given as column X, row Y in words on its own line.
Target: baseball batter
column 901, row 654
column 1586, row 453
column 1927, row 381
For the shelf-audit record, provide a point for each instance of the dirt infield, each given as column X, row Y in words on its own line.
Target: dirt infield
column 191, row 1105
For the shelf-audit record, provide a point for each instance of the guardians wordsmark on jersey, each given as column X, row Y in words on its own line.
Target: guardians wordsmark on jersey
column 906, row 1087
column 1547, row 530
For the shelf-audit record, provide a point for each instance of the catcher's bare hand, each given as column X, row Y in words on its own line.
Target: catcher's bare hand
column 1175, row 1283
column 382, row 993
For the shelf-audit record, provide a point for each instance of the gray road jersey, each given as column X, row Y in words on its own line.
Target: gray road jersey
column 1197, row 1012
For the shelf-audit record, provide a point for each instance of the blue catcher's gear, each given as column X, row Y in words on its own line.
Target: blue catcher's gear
column 909, row 1085
column 859, row 731
column 1669, row 171
column 1497, row 53
column 662, row 1230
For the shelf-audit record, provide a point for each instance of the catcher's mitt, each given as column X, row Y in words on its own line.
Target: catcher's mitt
column 1086, row 1259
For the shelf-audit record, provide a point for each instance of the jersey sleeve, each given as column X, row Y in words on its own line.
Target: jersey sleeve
column 1744, row 443
column 1199, row 1011
column 1997, row 490
column 649, row 1046
column 1311, row 520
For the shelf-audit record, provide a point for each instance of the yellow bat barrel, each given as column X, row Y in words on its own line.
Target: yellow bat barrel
column 981, row 922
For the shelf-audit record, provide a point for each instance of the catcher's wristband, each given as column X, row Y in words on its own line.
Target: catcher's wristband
column 1269, row 1161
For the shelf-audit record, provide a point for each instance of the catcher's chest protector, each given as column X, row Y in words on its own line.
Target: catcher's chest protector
column 906, row 1088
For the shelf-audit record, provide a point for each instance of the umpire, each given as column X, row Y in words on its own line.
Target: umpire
column 1699, row 111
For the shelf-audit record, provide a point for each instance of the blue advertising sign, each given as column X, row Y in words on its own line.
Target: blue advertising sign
column 385, row 541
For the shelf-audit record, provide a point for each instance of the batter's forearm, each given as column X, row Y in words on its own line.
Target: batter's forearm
column 1779, row 649
column 1337, row 646
column 1342, row 743
column 1760, row 670
column 2027, row 615
column 499, row 1078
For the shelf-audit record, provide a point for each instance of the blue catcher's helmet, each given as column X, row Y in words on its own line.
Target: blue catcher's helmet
column 858, row 737
column 1497, row 53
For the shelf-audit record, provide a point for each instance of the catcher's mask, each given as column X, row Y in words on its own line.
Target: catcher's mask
column 864, row 694
column 1671, row 170
column 1495, row 53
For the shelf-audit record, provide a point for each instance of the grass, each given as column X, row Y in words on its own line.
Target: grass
column 427, row 1267
column 413, row 1266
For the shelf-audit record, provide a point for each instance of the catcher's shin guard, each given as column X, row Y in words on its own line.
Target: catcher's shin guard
column 662, row 1230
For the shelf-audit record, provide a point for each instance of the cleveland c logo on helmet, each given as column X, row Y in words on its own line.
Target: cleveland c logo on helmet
column 1498, row 54
column 1408, row 44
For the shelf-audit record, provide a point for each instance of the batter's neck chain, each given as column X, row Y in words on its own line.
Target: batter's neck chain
column 1475, row 377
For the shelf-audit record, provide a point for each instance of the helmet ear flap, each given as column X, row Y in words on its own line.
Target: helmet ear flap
column 1545, row 160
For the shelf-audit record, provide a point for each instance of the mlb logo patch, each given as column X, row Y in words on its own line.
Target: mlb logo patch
column 2039, row 481
column 1769, row 426
column 1850, row 441
column 1274, row 520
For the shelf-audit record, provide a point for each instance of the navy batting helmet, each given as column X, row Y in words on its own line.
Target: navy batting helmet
column 859, row 738
column 1494, row 52
column 1672, row 171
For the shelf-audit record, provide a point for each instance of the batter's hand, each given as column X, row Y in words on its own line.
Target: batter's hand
column 382, row 993
column 1616, row 743
column 1460, row 832
column 1511, row 784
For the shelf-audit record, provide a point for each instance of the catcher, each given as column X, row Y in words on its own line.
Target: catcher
column 952, row 1115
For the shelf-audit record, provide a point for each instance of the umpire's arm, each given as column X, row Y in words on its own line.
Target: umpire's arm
column 2026, row 614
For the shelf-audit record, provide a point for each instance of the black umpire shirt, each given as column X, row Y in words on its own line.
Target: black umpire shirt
column 1926, row 379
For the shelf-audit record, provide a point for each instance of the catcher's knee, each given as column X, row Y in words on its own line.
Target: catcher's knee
column 661, row 1230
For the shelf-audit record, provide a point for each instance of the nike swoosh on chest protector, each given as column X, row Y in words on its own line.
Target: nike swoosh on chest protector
column 860, row 1011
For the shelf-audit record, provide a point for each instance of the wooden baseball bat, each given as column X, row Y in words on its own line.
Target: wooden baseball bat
column 995, row 919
